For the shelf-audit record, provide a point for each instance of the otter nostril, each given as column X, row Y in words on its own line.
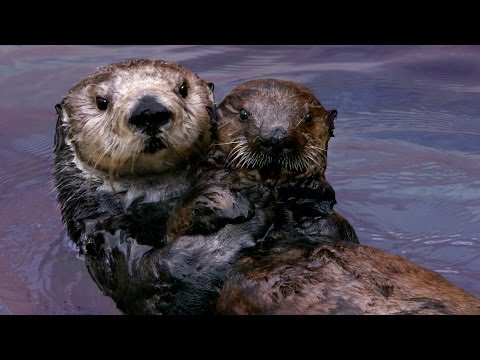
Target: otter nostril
column 279, row 135
column 149, row 115
column 280, row 142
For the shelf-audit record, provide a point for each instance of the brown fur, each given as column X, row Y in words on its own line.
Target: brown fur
column 302, row 277
column 241, row 164
column 291, row 273
column 274, row 103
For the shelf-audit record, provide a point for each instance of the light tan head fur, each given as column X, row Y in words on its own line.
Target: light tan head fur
column 104, row 140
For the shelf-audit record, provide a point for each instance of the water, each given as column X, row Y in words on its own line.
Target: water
column 405, row 162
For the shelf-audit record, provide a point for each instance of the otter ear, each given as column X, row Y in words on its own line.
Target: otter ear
column 212, row 113
column 211, row 87
column 58, row 109
column 331, row 120
column 59, row 142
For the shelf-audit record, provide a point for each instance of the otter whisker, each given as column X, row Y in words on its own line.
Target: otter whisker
column 97, row 123
column 236, row 158
column 240, row 143
column 312, row 158
column 268, row 159
column 305, row 162
column 264, row 161
column 233, row 152
column 259, row 160
column 247, row 158
column 243, row 161
column 228, row 143
column 238, row 154
column 254, row 160
column 290, row 164
column 250, row 162
column 297, row 167
column 318, row 155
column 318, row 149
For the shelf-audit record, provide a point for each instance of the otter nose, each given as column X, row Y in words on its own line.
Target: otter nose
column 149, row 115
column 277, row 141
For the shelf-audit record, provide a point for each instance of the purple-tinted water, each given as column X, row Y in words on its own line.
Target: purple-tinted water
column 405, row 162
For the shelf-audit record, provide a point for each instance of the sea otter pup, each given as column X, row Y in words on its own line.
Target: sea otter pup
column 275, row 133
column 126, row 136
column 290, row 273
column 271, row 135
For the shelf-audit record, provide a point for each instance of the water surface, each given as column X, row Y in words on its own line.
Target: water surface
column 405, row 162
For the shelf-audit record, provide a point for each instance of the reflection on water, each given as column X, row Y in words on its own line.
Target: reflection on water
column 405, row 162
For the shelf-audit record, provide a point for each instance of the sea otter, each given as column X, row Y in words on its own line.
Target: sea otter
column 126, row 137
column 271, row 135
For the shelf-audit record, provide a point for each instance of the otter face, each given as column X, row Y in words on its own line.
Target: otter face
column 275, row 124
column 137, row 117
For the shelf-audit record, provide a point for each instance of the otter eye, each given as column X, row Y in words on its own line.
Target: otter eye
column 183, row 90
column 308, row 118
column 243, row 114
column 102, row 103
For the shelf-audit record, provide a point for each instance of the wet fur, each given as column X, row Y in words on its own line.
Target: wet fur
column 238, row 167
column 101, row 169
column 181, row 278
column 294, row 274
column 304, row 266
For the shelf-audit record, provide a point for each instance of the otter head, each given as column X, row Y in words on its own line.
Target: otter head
column 277, row 125
column 136, row 117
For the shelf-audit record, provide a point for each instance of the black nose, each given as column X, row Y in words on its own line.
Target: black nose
column 149, row 115
column 277, row 141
